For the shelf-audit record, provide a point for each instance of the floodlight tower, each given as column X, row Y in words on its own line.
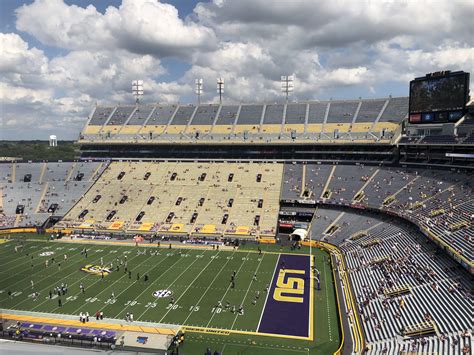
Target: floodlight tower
column 137, row 89
column 287, row 84
column 220, row 88
column 199, row 90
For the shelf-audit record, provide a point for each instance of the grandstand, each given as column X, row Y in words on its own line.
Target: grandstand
column 182, row 198
column 33, row 192
column 359, row 121
column 412, row 194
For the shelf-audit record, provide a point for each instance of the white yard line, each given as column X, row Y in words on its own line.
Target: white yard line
column 269, row 289
column 176, row 279
column 187, row 288
column 248, row 289
column 208, row 288
column 45, row 288
column 28, row 260
column 39, row 281
column 69, row 287
column 228, row 288
column 100, row 280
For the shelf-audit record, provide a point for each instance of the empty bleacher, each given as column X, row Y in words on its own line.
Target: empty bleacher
column 438, row 201
column 327, row 121
column 52, row 189
column 182, row 198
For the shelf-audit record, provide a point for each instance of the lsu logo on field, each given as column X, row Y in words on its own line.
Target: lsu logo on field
column 46, row 253
column 162, row 293
column 291, row 289
column 96, row 269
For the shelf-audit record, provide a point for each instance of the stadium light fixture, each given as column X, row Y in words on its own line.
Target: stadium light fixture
column 137, row 89
column 220, row 88
column 199, row 89
column 287, row 84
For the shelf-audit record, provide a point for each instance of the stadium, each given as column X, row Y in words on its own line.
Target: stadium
column 282, row 226
column 317, row 227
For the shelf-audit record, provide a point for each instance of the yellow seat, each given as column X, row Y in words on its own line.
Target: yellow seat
column 314, row 128
column 271, row 128
column 133, row 129
column 361, row 127
column 341, row 127
column 111, row 129
column 222, row 129
column 298, row 128
column 246, row 127
column 154, row 129
column 176, row 129
column 92, row 129
column 200, row 128
column 389, row 126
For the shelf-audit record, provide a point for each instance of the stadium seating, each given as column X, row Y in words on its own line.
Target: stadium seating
column 182, row 198
column 52, row 190
column 359, row 121
column 396, row 190
column 410, row 295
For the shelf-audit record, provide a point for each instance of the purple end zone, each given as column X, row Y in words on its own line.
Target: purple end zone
column 283, row 316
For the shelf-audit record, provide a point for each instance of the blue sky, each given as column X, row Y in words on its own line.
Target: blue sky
column 61, row 57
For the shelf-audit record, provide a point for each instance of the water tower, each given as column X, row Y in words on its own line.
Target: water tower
column 53, row 141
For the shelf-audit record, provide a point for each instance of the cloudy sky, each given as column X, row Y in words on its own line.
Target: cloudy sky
column 58, row 58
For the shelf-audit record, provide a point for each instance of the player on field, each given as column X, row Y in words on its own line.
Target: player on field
column 255, row 277
column 241, row 310
column 32, row 284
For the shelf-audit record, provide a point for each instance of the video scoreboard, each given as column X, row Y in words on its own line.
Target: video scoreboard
column 438, row 97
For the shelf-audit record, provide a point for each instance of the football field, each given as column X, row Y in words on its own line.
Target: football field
column 278, row 298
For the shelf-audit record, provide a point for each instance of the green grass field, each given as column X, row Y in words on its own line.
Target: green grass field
column 198, row 279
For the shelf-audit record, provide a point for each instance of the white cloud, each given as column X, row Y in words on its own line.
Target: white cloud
column 138, row 26
column 58, row 94
column 337, row 48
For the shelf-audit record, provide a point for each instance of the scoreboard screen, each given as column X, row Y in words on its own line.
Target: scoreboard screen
column 438, row 97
